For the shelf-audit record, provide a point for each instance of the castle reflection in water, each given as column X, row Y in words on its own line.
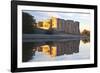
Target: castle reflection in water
column 50, row 48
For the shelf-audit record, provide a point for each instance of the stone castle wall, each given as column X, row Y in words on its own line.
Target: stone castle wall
column 68, row 26
column 61, row 25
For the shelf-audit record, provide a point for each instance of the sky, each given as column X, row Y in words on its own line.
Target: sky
column 83, row 18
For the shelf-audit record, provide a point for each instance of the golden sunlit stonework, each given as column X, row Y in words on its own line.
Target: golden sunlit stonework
column 47, row 24
column 60, row 25
column 59, row 49
column 49, row 50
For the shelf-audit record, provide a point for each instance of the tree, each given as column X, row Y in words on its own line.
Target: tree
column 28, row 22
column 86, row 32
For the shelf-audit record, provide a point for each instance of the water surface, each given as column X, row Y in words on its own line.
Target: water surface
column 46, row 50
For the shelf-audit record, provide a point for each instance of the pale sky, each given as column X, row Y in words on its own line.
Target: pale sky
column 83, row 18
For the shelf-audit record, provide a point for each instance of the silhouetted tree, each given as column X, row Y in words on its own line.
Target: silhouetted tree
column 28, row 23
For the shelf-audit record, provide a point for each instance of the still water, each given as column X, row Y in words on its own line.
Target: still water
column 55, row 50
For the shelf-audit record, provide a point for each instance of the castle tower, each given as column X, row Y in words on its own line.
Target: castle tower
column 77, row 31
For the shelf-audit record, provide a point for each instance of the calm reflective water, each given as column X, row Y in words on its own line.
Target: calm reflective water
column 55, row 50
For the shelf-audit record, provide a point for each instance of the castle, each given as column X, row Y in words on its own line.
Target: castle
column 60, row 25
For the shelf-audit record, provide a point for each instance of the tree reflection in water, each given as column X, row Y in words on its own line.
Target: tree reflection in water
column 86, row 40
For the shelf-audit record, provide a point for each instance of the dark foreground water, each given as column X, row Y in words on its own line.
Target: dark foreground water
column 46, row 50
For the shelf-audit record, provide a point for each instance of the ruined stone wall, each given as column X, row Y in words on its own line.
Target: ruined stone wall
column 68, row 26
